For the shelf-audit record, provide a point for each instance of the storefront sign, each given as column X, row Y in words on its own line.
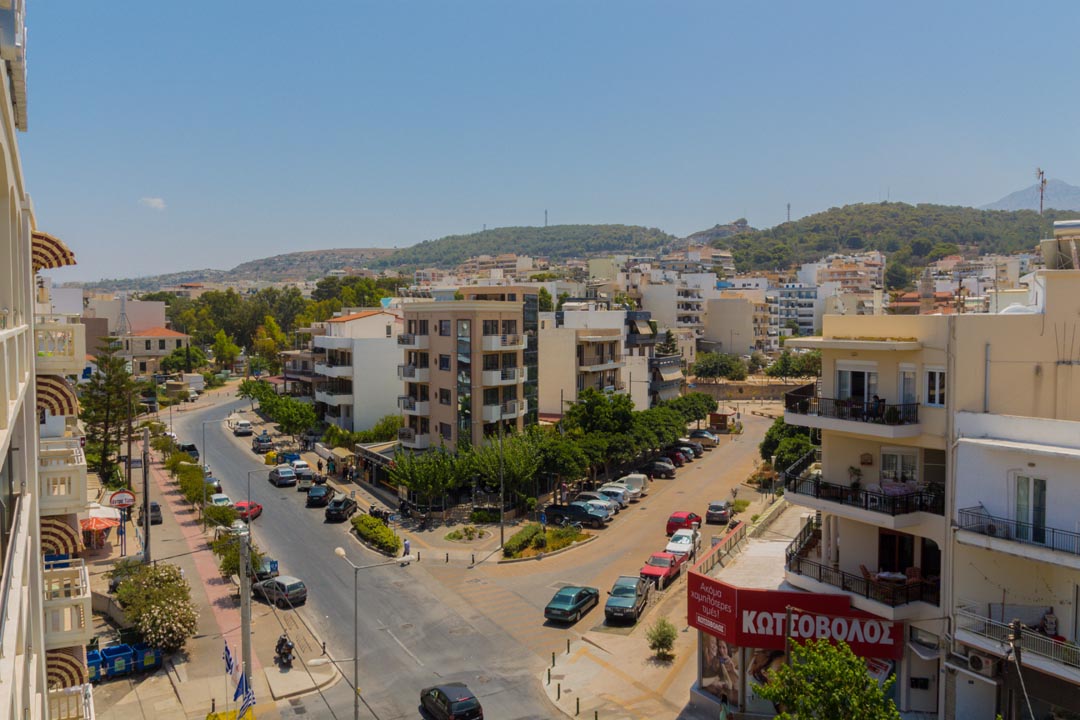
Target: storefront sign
column 122, row 499
column 758, row 618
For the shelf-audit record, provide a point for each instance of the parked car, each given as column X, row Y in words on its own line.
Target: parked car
column 612, row 505
column 682, row 519
column 320, row 496
column 304, row 482
column 719, row 512
column 636, row 481
column 262, row 443
column 675, row 457
column 267, row 569
column 575, row 512
column 608, row 514
column 627, row 598
column 634, row 493
column 450, row 701
column 248, row 510
column 604, row 506
column 302, row 469
column 616, row 495
column 282, row 476
column 190, row 449
column 242, row 428
column 706, row 437
column 220, row 499
column 570, row 603
column 155, row 514
column 657, row 469
column 663, row 568
column 687, row 453
column 212, row 485
column 341, row 508
column 694, row 445
column 284, row 591
column 684, row 542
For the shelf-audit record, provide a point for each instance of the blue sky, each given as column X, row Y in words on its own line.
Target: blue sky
column 172, row 136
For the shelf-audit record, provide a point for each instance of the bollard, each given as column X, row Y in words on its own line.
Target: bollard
column 595, row 715
column 552, row 659
column 447, row 557
column 474, row 558
column 323, row 647
column 578, row 710
column 549, row 676
column 558, row 691
column 567, row 646
column 417, row 556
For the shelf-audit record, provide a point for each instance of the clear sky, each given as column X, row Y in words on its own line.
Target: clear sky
column 167, row 136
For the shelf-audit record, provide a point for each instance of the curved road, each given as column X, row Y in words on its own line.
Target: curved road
column 409, row 637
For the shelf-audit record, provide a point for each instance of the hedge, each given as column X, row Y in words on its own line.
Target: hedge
column 375, row 532
column 484, row 515
column 521, row 540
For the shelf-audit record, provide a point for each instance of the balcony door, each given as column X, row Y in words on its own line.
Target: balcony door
column 856, row 384
column 1031, row 509
column 896, row 551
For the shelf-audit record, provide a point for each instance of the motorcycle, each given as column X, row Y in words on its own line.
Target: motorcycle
column 283, row 651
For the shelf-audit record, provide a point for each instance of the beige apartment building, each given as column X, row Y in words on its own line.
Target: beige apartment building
column 464, row 372
column 144, row 349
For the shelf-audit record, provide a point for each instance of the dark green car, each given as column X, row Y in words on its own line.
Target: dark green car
column 628, row 597
column 570, row 603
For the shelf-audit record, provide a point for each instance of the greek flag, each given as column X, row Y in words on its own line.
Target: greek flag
column 242, row 688
column 229, row 664
column 248, row 701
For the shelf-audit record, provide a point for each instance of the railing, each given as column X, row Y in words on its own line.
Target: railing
column 413, row 372
column 977, row 520
column 638, row 315
column 406, row 434
column 918, row 501
column 636, row 339
column 411, row 340
column 413, row 438
column 61, row 477
column 67, row 603
column 406, row 402
column 60, row 348
column 72, row 703
column 1032, row 642
column 809, row 530
column 722, row 550
column 498, row 342
column 891, row 594
column 868, row 411
column 592, row 360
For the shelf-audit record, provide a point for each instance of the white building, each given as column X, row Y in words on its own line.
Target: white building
column 354, row 381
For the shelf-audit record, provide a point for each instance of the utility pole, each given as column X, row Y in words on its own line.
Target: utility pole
column 245, row 602
column 146, row 492
column 127, row 463
column 1041, row 177
column 545, row 218
column 502, row 487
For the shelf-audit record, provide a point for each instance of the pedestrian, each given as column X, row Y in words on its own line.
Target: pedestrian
column 319, row 465
column 406, row 553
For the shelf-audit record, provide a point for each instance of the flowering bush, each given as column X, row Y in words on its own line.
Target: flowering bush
column 157, row 600
column 169, row 624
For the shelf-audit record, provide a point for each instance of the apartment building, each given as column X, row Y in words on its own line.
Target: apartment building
column 144, row 349
column 352, row 366
column 729, row 325
column 678, row 301
column 582, row 346
column 506, row 264
column 794, row 309
column 464, row 371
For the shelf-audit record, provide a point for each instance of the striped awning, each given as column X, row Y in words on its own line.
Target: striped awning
column 56, row 395
column 58, row 538
column 66, row 667
column 48, row 251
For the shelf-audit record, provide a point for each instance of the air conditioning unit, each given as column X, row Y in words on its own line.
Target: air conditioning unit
column 983, row 664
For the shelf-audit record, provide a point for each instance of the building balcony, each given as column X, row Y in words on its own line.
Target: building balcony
column 412, row 439
column 412, row 406
column 1041, row 652
column 500, row 343
column 61, row 477
column 976, row 527
column 334, row 397
column 638, row 315
column 411, row 341
column 640, row 339
column 598, row 363
column 505, row 376
column 67, row 604
column 412, row 373
column 60, row 346
column 505, row 411
column 333, row 369
column 72, row 703
column 852, row 415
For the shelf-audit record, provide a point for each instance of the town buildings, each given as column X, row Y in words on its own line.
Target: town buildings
column 144, row 349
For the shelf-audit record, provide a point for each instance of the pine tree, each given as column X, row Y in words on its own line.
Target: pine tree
column 667, row 346
column 106, row 401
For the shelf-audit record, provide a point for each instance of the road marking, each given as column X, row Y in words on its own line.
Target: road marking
column 407, row 650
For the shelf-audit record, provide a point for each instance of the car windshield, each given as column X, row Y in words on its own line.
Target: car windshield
column 659, row 561
column 624, row 591
column 680, row 539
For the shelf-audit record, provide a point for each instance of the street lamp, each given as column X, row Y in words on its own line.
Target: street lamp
column 340, row 552
column 202, row 459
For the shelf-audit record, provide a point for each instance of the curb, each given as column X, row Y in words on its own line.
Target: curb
column 319, row 686
column 369, row 546
column 541, row 556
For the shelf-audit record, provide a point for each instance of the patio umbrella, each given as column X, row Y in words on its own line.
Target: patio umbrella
column 98, row 523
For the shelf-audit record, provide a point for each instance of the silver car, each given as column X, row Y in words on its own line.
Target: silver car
column 617, row 495
column 595, row 497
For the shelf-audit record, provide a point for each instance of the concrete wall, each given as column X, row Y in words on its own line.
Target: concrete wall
column 141, row 314
column 375, row 389
column 557, row 366
column 730, row 322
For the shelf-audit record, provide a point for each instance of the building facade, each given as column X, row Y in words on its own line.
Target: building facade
column 144, row 349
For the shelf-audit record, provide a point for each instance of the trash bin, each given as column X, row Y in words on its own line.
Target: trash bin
column 93, row 665
column 271, row 458
column 146, row 657
column 117, row 660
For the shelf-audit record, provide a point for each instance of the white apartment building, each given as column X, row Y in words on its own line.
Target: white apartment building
column 791, row 304
column 677, row 300
column 580, row 346
column 356, row 363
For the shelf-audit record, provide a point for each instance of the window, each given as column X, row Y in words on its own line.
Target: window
column 179, row 343
column 444, row 328
column 147, row 344
column 444, row 396
column 1031, row 509
column 899, row 464
column 855, row 384
column 444, row 362
column 389, row 330
column 160, row 344
column 464, row 329
column 935, row 387
column 491, row 327
column 142, row 367
column 445, row 431
column 906, row 382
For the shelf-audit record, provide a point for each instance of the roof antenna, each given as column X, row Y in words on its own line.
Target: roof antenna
column 1041, row 177
column 123, row 326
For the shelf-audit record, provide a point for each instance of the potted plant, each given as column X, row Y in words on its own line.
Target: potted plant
column 855, row 476
column 892, row 415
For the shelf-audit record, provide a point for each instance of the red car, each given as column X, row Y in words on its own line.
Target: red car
column 248, row 510
column 676, row 457
column 663, row 568
column 683, row 520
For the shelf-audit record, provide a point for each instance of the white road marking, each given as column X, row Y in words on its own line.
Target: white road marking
column 407, row 650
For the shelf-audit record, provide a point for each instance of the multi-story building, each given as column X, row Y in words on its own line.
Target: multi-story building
column 464, row 371
column 676, row 300
column 508, row 264
column 145, row 349
column 352, row 367
column 581, row 346
column 794, row 309
column 729, row 325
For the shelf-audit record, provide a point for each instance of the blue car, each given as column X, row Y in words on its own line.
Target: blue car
column 570, row 603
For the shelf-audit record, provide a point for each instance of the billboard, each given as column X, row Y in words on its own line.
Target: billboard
column 757, row 618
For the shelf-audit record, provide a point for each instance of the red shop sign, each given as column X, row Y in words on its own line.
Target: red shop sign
column 757, row 618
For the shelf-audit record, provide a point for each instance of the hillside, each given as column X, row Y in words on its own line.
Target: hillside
column 1059, row 195
column 912, row 234
column 557, row 242
column 719, row 232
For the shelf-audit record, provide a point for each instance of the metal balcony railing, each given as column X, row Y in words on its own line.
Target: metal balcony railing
column 977, row 520
column 72, row 703
column 1032, row 642
column 876, row 501
column 802, row 403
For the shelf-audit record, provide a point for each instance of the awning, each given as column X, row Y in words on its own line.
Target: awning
column 66, row 667
column 342, row 453
column 58, row 538
column 671, row 373
column 98, row 523
column 668, row 393
column 104, row 511
column 56, row 395
column 48, row 251
column 923, row 651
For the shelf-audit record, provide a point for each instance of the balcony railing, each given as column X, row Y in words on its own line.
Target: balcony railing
column 60, row 347
column 638, row 339
column 412, row 405
column 61, row 477
column 414, row 373
column 502, row 342
column 505, row 376
column 802, row 403
column 876, row 501
column 413, row 439
column 412, row 340
column 1032, row 642
column 977, row 520
column 67, row 604
column 72, row 703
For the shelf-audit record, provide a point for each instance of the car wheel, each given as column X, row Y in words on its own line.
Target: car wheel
column 281, row 603
column 598, row 524
column 577, row 616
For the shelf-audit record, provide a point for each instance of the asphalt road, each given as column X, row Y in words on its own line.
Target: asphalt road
column 409, row 638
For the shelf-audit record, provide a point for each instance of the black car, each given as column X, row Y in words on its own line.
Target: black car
column 340, row 508
column 155, row 514
column 627, row 598
column 320, row 496
column 450, row 700
column 656, row 470
column 576, row 512
column 190, row 449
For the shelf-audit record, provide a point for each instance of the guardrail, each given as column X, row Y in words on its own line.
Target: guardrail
column 722, row 550
column 1031, row 641
column 977, row 520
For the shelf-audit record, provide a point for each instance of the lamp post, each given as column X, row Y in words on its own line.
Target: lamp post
column 202, row 459
column 340, row 552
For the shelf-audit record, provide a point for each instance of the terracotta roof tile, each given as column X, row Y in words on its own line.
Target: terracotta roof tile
column 158, row 332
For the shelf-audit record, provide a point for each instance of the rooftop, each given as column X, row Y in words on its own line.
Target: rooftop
column 158, row 332
column 358, row 316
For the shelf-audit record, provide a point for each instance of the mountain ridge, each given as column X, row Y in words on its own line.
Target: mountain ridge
column 1059, row 195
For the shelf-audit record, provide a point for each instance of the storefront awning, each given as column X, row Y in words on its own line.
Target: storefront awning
column 342, row 453
column 55, row 395
column 48, row 251
column 58, row 538
column 671, row 373
column 668, row 393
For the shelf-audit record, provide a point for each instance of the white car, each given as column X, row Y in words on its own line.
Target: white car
column 220, row 500
column 604, row 506
column 301, row 468
column 683, row 542
column 633, row 493
column 615, row 494
column 609, row 504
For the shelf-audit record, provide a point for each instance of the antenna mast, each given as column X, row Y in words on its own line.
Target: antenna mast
column 1041, row 177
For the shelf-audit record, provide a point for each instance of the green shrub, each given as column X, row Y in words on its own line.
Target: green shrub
column 157, row 601
column 661, row 636
column 740, row 506
column 375, row 532
column 454, row 535
column 484, row 515
column 754, row 518
column 521, row 539
column 227, row 550
column 220, row 515
column 558, row 538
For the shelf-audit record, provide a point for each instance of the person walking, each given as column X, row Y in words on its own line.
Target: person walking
column 318, row 464
column 406, row 548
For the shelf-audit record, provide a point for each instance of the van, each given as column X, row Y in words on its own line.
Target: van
column 636, row 481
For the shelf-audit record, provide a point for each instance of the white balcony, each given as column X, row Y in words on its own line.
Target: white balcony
column 1040, row 652
column 599, row 363
column 60, row 346
column 411, row 341
column 72, row 703
column 412, row 406
column 505, row 411
column 61, row 477
column 334, row 371
column 506, row 376
column 67, row 604
column 496, row 343
column 412, row 373
column 334, row 397
column 411, row 439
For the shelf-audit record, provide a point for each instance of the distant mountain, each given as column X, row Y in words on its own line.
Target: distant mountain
column 1059, row 195
column 557, row 242
column 719, row 232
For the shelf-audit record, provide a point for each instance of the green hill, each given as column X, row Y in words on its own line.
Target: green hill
column 912, row 235
column 557, row 242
